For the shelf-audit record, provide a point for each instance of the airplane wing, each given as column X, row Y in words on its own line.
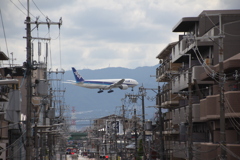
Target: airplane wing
column 69, row 81
column 117, row 83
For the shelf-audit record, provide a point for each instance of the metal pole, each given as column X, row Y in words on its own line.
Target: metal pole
column 221, row 88
column 135, row 130
column 162, row 153
column 29, row 88
column 190, row 123
column 115, row 136
column 143, row 128
column 124, row 135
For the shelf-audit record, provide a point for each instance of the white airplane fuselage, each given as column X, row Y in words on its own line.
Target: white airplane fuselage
column 106, row 83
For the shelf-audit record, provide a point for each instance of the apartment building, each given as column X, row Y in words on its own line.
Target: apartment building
column 191, row 71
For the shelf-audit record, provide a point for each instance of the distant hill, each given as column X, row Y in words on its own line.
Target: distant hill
column 91, row 105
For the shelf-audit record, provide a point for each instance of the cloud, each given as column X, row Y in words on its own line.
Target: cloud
column 96, row 34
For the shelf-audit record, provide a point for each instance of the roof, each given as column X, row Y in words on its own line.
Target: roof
column 3, row 56
column 166, row 51
column 110, row 117
column 185, row 24
column 233, row 11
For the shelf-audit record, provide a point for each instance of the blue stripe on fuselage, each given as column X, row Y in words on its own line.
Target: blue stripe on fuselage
column 100, row 83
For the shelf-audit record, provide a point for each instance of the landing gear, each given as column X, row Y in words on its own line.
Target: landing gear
column 110, row 91
column 100, row 91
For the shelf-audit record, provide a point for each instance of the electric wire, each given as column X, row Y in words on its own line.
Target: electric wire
column 18, row 8
column 208, row 70
column 39, row 9
column 14, row 143
column 229, row 151
column 234, row 126
column 223, row 25
column 203, row 63
column 5, row 37
column 10, row 125
column 233, row 121
column 207, row 151
column 15, row 151
column 21, row 9
column 26, row 8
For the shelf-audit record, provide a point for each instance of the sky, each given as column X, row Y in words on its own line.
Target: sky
column 98, row 34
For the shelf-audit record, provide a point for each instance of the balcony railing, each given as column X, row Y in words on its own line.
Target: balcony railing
column 166, row 71
column 210, row 107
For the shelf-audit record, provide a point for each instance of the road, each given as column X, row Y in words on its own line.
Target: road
column 70, row 157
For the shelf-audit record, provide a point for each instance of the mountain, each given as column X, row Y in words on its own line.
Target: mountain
column 91, row 105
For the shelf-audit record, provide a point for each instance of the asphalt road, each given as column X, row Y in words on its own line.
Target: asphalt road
column 70, row 157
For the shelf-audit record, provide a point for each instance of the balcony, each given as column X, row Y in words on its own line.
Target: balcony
column 212, row 151
column 180, row 115
column 182, row 48
column 196, row 112
column 168, row 116
column 5, row 89
column 166, row 71
column 232, row 99
column 169, row 100
column 210, row 107
column 231, row 136
column 179, row 82
column 229, row 65
column 179, row 49
column 178, row 150
column 196, row 74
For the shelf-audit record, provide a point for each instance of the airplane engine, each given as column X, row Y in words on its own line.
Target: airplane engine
column 123, row 86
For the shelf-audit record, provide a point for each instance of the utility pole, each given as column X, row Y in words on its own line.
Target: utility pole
column 124, row 133
column 141, row 89
column 162, row 153
column 221, row 88
column 135, row 130
column 190, row 123
column 221, row 91
column 29, row 66
column 29, row 87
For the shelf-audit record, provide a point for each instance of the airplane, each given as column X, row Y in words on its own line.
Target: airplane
column 103, row 84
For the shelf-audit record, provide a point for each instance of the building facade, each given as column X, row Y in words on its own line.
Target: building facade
column 201, row 87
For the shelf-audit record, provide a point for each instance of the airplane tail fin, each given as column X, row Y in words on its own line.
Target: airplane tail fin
column 77, row 76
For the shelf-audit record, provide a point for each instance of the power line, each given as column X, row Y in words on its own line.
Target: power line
column 38, row 8
column 4, row 34
column 18, row 8
column 223, row 25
